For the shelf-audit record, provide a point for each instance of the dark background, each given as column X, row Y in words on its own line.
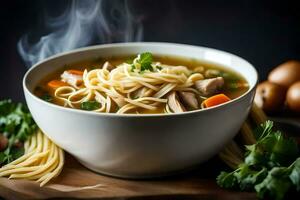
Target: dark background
column 264, row 32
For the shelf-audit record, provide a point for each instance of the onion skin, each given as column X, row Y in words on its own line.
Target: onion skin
column 270, row 96
column 286, row 74
column 293, row 97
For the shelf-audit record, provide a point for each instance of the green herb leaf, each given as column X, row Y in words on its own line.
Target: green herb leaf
column 295, row 174
column 47, row 97
column 227, row 180
column 129, row 60
column 6, row 106
column 275, row 185
column 271, row 166
column 90, row 105
column 229, row 76
column 145, row 58
column 133, row 68
column 17, row 124
column 248, row 177
column 145, row 61
column 159, row 67
column 283, row 150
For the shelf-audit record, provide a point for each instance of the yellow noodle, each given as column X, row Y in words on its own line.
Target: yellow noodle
column 41, row 167
column 127, row 88
column 126, row 108
column 57, row 170
column 42, row 161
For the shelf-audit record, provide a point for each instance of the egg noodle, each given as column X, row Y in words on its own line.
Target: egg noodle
column 42, row 161
column 129, row 89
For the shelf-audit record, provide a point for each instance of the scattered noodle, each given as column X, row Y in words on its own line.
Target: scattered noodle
column 42, row 161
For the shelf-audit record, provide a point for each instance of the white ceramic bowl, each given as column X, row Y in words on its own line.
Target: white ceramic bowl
column 139, row 146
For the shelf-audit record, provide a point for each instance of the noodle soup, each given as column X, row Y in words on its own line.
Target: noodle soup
column 141, row 84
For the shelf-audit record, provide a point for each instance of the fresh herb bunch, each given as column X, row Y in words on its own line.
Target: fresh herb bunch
column 270, row 167
column 16, row 125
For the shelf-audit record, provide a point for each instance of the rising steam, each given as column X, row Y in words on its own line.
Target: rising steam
column 83, row 23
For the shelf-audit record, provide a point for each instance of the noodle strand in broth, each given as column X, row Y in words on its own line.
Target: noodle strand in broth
column 142, row 86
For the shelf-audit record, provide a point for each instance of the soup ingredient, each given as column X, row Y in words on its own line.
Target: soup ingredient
column 140, row 86
column 270, row 166
column 174, row 103
column 189, row 99
column 208, row 87
column 215, row 100
column 270, row 96
column 72, row 77
column 47, row 97
column 293, row 97
column 143, row 62
column 90, row 105
column 107, row 65
column 286, row 74
column 212, row 73
column 16, row 125
column 54, row 84
column 41, row 162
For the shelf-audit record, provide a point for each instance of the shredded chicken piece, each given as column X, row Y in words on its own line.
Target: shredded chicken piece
column 71, row 78
column 189, row 99
column 208, row 87
column 174, row 103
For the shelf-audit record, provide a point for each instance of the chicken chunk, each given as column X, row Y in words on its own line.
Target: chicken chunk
column 174, row 103
column 189, row 99
column 208, row 87
column 72, row 77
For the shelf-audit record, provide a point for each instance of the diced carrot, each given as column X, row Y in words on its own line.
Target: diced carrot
column 216, row 100
column 56, row 83
column 75, row 72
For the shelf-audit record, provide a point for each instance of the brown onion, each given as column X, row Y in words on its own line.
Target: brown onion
column 285, row 74
column 270, row 96
column 293, row 97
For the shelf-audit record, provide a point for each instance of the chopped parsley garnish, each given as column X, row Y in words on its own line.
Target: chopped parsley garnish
column 159, row 67
column 90, row 105
column 47, row 97
column 133, row 68
column 129, row 60
column 144, row 60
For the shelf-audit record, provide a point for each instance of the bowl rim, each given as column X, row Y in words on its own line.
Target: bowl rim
column 126, row 115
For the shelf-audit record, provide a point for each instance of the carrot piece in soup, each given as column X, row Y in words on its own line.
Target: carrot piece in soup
column 216, row 100
column 56, row 83
column 75, row 72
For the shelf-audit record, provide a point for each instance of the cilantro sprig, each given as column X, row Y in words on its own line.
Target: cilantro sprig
column 143, row 62
column 271, row 167
column 16, row 124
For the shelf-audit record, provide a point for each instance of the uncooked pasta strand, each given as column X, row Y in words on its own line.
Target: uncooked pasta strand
column 42, row 161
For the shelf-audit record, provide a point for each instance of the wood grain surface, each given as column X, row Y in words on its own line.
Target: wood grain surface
column 81, row 183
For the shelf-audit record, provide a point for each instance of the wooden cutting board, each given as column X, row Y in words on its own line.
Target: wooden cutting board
column 76, row 181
